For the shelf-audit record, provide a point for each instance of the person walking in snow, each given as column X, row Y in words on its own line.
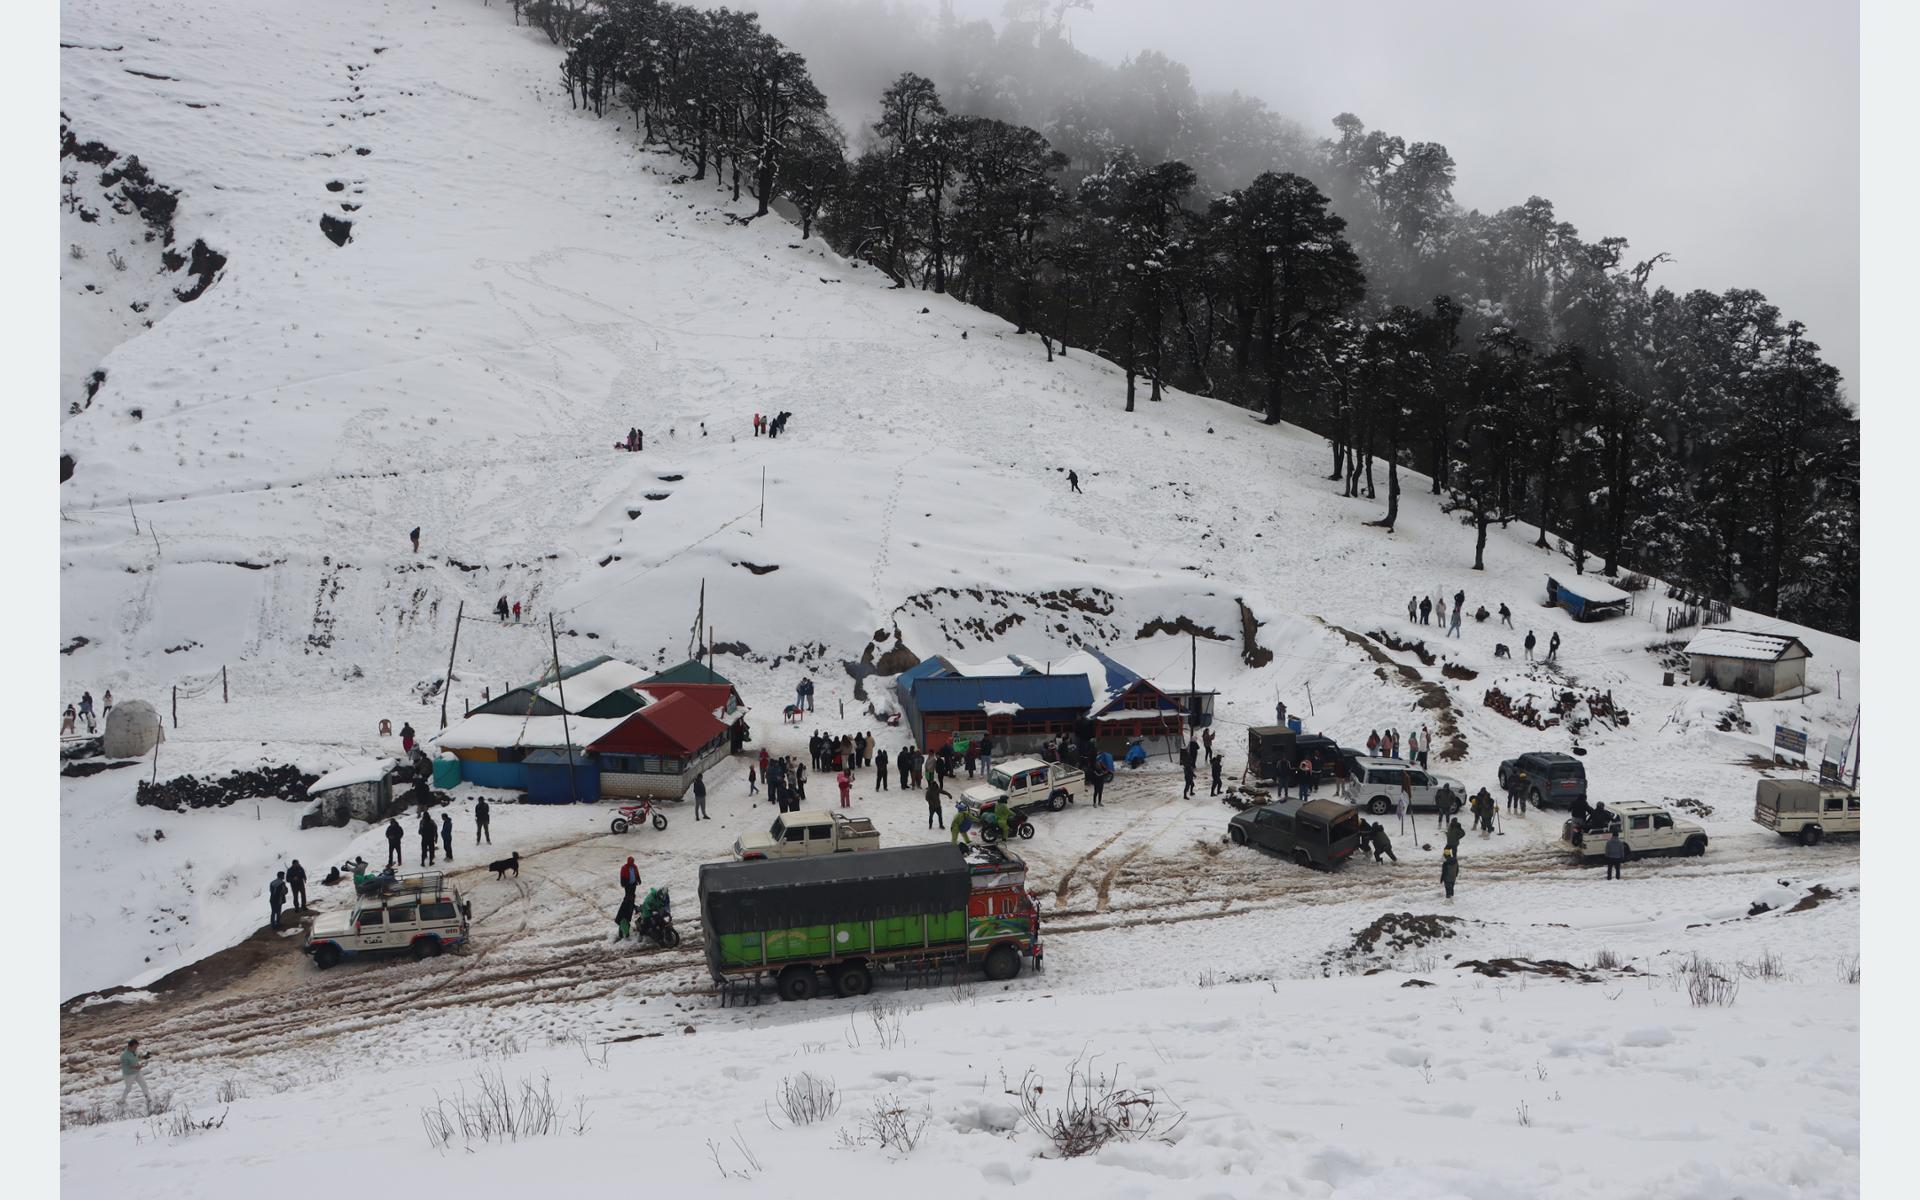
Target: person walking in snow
column 845, row 782
column 1073, row 481
column 700, row 796
column 415, row 535
column 1219, row 762
column 1304, row 773
column 133, row 1073
column 934, row 792
column 1413, row 609
column 986, row 755
column 1373, row 743
column 1449, row 870
column 1186, row 769
column 106, row 704
column 1506, row 615
column 1460, row 598
column 623, row 918
column 516, row 612
column 1453, row 626
column 276, row 897
column 973, row 758
column 880, row 770
column 1616, row 853
column 395, row 835
column 1426, row 745
column 297, row 885
column 66, row 720
column 500, row 609
column 1553, row 648
column 446, row 835
column 905, row 766
column 1529, row 644
column 1426, row 610
column 1454, row 833
column 481, row 815
column 406, row 738
column 86, row 709
column 629, row 877
column 429, row 840
column 1413, row 748
column 1382, row 844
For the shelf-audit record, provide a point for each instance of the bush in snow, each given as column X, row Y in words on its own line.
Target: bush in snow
column 1707, row 986
column 807, row 1099
column 1094, row 1109
column 500, row 1112
column 889, row 1124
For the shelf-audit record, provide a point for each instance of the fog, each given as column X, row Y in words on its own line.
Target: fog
column 1723, row 132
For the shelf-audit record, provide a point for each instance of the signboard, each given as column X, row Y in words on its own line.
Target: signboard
column 1830, row 773
column 1790, row 741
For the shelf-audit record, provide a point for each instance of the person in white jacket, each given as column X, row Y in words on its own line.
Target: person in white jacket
column 133, row 1073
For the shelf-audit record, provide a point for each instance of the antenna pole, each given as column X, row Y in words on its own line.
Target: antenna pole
column 566, row 730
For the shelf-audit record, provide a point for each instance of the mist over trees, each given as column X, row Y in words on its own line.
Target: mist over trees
column 1205, row 244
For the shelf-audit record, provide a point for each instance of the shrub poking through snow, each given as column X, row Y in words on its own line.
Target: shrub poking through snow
column 1606, row 960
column 806, row 1099
column 1707, row 986
column 1093, row 1109
column 499, row 1112
column 890, row 1124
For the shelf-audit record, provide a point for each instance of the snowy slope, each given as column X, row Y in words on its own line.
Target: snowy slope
column 523, row 284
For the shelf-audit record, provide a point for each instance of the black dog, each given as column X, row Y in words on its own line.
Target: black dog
column 1500, row 650
column 502, row 866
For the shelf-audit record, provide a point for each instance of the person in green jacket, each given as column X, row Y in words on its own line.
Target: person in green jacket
column 962, row 822
column 1449, row 871
column 133, row 1071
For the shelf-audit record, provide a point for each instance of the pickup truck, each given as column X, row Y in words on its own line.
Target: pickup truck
column 1026, row 782
column 1647, row 829
column 419, row 914
column 801, row 834
column 1796, row 808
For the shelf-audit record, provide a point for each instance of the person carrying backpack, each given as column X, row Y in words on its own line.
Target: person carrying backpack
column 297, row 884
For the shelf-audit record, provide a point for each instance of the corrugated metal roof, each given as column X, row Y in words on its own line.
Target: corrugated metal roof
column 1746, row 644
column 691, row 671
column 676, row 725
column 1591, row 588
column 963, row 693
column 926, row 668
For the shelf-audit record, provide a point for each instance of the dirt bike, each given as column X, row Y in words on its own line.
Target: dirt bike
column 638, row 814
column 656, row 920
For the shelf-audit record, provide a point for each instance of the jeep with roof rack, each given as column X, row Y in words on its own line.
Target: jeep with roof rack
column 420, row 914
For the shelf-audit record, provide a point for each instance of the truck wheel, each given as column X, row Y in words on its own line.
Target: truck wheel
column 1003, row 963
column 1538, row 803
column 326, row 956
column 1026, row 830
column 1057, row 801
column 1503, row 779
column 797, row 983
column 852, row 979
column 1303, row 858
column 1809, row 835
column 1379, row 806
column 1696, row 846
column 425, row 947
column 1236, row 835
column 619, row 824
column 659, row 820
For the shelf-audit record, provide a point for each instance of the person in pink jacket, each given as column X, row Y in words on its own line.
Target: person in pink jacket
column 846, row 787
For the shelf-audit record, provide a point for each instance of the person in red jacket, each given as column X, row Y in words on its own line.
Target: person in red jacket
column 846, row 787
column 629, row 878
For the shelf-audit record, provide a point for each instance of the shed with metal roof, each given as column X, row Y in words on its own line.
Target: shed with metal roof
column 1768, row 666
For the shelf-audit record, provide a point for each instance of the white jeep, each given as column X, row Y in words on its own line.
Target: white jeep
column 1024, row 782
column 798, row 834
column 1647, row 829
column 420, row 915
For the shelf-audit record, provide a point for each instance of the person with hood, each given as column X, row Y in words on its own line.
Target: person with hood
column 1073, row 481
column 1616, row 853
column 1304, row 773
column 1186, row 769
column 1426, row 610
column 880, row 769
column 629, row 877
column 106, row 704
column 973, row 759
column 1382, row 844
column 960, row 830
column 482, row 813
column 1218, row 762
column 846, row 788
column 1449, row 871
column 429, row 839
column 798, row 792
column 1413, row 747
column 1454, row 833
column 500, row 609
column 1413, row 609
column 763, row 762
column 86, row 709
column 1553, row 646
column 406, row 737
column 67, row 719
column 1506, row 615
column 395, row 835
column 297, row 884
column 1373, row 743
column 446, row 835
column 934, row 792
column 516, row 612
column 920, row 772
column 1529, row 644
column 986, row 756
column 415, row 535
column 276, row 897
column 700, row 796
column 133, row 1073
column 1453, row 626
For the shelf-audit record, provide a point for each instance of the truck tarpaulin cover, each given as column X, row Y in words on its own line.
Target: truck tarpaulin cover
column 747, row 897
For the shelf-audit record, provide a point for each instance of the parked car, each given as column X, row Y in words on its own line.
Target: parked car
column 799, row 834
column 1796, row 808
column 1314, row 833
column 420, row 915
column 1028, row 783
column 1546, row 777
column 851, row 915
column 1647, row 829
column 1374, row 784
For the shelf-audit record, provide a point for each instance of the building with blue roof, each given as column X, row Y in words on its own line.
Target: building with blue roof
column 1022, row 702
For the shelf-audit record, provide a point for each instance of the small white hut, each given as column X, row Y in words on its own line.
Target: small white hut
column 1763, row 665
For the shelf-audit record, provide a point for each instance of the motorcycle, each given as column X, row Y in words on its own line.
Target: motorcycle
column 638, row 814
column 656, row 920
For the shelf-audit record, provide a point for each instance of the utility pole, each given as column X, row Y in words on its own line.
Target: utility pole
column 566, row 731
column 763, row 499
column 451, row 650
column 710, row 675
column 223, row 685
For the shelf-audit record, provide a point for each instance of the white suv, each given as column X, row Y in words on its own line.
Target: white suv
column 419, row 915
column 1374, row 784
column 1647, row 830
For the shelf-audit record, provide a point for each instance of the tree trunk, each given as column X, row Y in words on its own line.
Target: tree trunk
column 1480, row 540
column 1129, row 389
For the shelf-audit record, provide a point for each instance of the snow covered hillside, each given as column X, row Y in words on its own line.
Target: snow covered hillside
column 464, row 359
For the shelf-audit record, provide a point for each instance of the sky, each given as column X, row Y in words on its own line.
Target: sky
column 1723, row 132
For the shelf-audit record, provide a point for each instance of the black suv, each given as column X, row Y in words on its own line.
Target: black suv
column 1547, row 778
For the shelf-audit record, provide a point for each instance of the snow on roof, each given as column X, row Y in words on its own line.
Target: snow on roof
column 1588, row 587
column 1747, row 644
column 589, row 687
column 366, row 770
column 999, row 708
column 488, row 731
column 1009, row 665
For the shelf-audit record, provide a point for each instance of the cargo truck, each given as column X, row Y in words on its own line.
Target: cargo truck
column 846, row 916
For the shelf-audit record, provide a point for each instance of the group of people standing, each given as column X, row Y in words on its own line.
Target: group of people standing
column 772, row 426
column 503, row 610
column 786, row 779
column 1389, row 744
column 83, row 712
column 1425, row 610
